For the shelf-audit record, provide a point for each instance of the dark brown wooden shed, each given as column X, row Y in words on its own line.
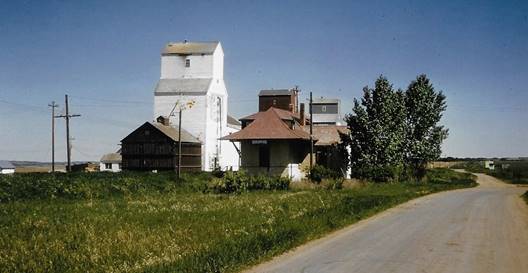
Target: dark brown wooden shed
column 154, row 146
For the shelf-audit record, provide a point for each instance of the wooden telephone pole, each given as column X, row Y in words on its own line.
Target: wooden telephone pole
column 181, row 106
column 67, row 117
column 53, row 105
column 311, row 136
column 179, row 142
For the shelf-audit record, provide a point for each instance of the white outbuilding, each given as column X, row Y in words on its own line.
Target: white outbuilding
column 110, row 163
column 489, row 164
column 6, row 167
column 192, row 77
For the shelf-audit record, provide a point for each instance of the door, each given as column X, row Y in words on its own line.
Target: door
column 264, row 156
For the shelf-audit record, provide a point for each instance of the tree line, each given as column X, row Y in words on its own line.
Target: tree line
column 395, row 133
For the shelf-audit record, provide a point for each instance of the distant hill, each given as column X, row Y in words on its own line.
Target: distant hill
column 44, row 164
column 42, row 167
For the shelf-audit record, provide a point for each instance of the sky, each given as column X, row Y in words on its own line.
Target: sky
column 106, row 56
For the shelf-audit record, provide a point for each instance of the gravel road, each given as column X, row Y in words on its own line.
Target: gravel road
column 483, row 229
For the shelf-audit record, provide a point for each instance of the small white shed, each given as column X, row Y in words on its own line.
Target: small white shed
column 489, row 164
column 6, row 167
column 110, row 163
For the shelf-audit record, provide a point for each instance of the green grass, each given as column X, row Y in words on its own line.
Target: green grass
column 79, row 186
column 515, row 172
column 471, row 166
column 186, row 231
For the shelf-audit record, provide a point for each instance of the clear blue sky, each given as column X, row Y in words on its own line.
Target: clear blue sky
column 106, row 55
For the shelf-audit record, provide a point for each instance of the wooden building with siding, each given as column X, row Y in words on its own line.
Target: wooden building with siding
column 154, row 146
column 285, row 99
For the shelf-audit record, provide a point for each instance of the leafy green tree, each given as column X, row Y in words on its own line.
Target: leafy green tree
column 424, row 136
column 377, row 132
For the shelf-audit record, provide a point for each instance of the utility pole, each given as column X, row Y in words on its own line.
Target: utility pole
column 53, row 106
column 181, row 106
column 311, row 136
column 67, row 117
column 179, row 142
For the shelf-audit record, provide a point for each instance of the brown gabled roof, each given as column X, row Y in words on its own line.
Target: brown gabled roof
column 327, row 134
column 190, row 48
column 168, row 131
column 283, row 114
column 268, row 125
column 275, row 92
column 173, row 133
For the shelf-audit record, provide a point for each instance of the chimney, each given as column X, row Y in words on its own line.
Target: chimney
column 295, row 99
column 163, row 120
column 303, row 117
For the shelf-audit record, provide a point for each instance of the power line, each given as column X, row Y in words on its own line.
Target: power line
column 83, row 153
column 118, row 123
column 36, row 108
column 108, row 105
column 114, row 101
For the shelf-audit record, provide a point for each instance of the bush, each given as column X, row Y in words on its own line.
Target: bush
column 382, row 174
column 333, row 183
column 449, row 177
column 218, row 173
column 319, row 172
column 516, row 173
column 238, row 182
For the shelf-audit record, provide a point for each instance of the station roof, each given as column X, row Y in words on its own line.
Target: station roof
column 189, row 48
column 268, row 125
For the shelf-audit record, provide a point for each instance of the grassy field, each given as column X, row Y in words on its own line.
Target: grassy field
column 515, row 172
column 182, row 230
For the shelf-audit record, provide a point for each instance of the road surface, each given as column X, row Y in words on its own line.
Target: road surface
column 483, row 229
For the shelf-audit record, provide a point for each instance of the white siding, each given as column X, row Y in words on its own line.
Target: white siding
column 173, row 67
column 114, row 167
column 216, row 123
column 230, row 158
column 218, row 63
column 327, row 118
column 193, row 119
column 294, row 172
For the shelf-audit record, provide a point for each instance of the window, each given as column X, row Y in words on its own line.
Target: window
column 187, row 62
column 323, row 108
column 108, row 166
column 274, row 102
